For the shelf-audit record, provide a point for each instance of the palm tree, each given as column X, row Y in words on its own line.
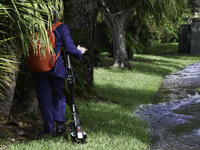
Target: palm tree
column 19, row 20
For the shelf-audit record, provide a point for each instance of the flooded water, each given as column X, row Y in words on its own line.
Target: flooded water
column 175, row 119
column 179, row 84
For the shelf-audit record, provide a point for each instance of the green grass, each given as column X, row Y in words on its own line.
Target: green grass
column 112, row 126
column 163, row 48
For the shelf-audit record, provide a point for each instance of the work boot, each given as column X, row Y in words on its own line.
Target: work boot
column 60, row 127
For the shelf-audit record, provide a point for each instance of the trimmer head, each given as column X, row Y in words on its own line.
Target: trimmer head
column 77, row 134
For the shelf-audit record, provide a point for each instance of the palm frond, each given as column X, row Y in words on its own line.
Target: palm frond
column 19, row 21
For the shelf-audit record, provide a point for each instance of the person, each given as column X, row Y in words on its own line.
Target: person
column 49, row 85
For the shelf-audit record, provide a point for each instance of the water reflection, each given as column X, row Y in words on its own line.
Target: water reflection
column 175, row 119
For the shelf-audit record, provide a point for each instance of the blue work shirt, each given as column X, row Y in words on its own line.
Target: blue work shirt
column 63, row 39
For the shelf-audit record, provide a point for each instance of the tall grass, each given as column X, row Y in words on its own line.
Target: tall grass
column 112, row 125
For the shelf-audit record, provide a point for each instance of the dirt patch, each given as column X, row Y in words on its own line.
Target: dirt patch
column 19, row 127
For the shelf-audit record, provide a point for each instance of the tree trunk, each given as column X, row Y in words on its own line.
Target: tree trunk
column 82, row 27
column 117, row 24
column 117, row 27
column 119, row 45
column 25, row 96
column 9, row 88
column 97, row 46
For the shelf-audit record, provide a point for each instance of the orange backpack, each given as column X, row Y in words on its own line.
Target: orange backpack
column 40, row 61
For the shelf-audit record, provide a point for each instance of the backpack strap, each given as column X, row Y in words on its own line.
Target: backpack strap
column 58, row 54
column 55, row 25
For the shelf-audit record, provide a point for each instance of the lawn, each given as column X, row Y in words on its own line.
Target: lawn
column 110, row 124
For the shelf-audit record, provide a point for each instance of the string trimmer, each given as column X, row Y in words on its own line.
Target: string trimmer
column 76, row 132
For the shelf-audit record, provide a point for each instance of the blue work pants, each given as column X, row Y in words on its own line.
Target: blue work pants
column 49, row 91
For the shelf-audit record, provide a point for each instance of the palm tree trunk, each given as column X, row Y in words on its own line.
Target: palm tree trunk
column 29, row 98
column 9, row 88
column 82, row 20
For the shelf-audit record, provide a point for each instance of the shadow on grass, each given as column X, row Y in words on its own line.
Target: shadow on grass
column 127, row 97
column 112, row 121
column 150, row 66
column 117, row 119
column 182, row 56
column 163, row 48
column 162, row 66
column 156, row 67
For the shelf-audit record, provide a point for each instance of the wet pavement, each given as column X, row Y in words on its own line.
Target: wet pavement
column 175, row 120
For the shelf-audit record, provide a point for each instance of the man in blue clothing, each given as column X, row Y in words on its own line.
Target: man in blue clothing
column 49, row 85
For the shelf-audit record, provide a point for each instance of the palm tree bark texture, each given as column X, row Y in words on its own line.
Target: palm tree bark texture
column 8, row 89
column 81, row 26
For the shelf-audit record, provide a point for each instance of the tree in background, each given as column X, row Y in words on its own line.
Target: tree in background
column 117, row 14
column 168, row 31
column 194, row 5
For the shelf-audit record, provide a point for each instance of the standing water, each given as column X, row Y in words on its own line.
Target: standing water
column 175, row 119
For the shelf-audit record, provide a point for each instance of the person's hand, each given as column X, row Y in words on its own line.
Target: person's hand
column 82, row 49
